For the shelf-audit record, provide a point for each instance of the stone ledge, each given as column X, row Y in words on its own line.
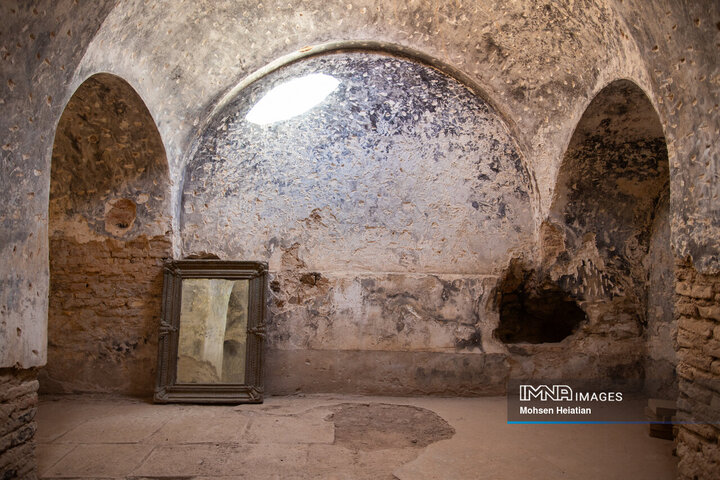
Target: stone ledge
column 384, row 373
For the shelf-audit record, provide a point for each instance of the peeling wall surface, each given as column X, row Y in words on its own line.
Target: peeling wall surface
column 400, row 168
column 594, row 244
column 380, row 211
column 385, row 273
column 661, row 332
column 41, row 45
column 108, row 172
column 109, row 233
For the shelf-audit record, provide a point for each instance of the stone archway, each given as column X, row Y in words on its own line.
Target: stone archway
column 109, row 231
column 605, row 246
column 383, row 211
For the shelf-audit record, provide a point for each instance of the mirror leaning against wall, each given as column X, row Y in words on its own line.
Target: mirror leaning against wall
column 211, row 332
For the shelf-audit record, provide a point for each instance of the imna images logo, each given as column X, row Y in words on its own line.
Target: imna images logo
column 544, row 393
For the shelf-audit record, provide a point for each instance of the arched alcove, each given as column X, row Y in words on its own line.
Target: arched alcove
column 606, row 243
column 384, row 208
column 108, row 234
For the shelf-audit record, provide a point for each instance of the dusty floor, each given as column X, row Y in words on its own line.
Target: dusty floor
column 333, row 437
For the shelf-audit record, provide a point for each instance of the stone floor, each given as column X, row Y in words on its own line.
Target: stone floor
column 333, row 437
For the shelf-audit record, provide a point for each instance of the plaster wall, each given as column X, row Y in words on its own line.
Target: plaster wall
column 109, row 233
column 41, row 45
column 383, row 211
column 181, row 64
column 540, row 65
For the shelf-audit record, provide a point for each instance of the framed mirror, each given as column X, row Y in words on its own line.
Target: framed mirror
column 211, row 332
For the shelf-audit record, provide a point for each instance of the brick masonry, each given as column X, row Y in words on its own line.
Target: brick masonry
column 18, row 404
column 698, row 343
column 105, row 303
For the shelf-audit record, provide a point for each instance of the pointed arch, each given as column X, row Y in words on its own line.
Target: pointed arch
column 109, row 230
column 607, row 237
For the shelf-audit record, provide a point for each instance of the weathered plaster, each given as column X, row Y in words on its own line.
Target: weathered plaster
column 540, row 64
column 109, row 231
column 109, row 174
column 401, row 169
column 41, row 43
column 661, row 332
column 165, row 58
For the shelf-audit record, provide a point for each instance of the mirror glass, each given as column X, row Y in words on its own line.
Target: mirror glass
column 212, row 331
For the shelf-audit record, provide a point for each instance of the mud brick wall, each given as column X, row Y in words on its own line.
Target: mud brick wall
column 18, row 405
column 105, row 303
column 698, row 342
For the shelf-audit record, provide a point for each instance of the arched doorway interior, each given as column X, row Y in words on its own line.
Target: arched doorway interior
column 109, row 231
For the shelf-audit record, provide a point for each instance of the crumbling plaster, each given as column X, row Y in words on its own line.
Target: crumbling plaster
column 41, row 44
column 538, row 64
column 204, row 49
column 541, row 65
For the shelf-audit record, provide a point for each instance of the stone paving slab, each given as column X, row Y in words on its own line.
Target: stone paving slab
column 48, row 454
column 125, row 423
column 223, row 459
column 293, row 438
column 201, row 425
column 56, row 418
column 94, row 461
column 289, row 429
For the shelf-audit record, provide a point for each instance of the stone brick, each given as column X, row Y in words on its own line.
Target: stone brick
column 688, row 339
column 707, row 432
column 686, row 308
column 685, row 371
column 715, row 368
column 712, row 311
column 695, row 358
column 699, row 371
column 18, row 406
column 712, row 348
column 104, row 305
column 690, row 439
column 700, row 327
column 694, row 290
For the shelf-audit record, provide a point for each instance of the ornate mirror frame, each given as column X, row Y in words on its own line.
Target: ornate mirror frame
column 167, row 389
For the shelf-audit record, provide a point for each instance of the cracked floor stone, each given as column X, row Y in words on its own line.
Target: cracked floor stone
column 332, row 437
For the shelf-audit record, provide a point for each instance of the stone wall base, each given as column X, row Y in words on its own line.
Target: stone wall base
column 698, row 341
column 18, row 406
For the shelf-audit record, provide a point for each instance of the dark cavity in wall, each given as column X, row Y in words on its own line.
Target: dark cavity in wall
column 532, row 311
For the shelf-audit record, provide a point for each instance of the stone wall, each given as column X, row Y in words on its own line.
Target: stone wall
column 698, row 341
column 40, row 47
column 109, row 231
column 105, row 304
column 18, row 405
column 539, row 63
column 610, row 207
column 661, row 330
column 384, row 212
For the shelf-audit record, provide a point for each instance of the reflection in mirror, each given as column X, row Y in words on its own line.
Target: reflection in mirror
column 213, row 331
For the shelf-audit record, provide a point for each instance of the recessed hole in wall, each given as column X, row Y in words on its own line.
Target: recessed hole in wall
column 120, row 216
column 532, row 312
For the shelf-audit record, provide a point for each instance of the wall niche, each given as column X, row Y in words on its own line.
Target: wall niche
column 385, row 201
column 109, row 233
column 605, row 246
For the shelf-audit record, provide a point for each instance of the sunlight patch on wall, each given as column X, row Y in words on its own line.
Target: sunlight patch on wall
column 292, row 98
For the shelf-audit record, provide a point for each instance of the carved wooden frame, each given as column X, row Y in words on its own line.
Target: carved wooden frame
column 167, row 390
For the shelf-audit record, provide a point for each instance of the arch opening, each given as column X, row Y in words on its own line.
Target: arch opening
column 606, row 242
column 382, row 210
column 109, row 231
